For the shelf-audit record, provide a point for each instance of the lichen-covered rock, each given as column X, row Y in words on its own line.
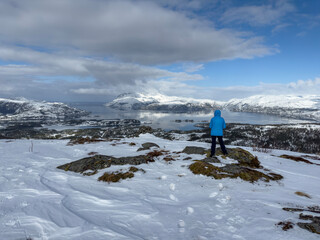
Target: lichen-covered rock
column 231, row 171
column 243, row 157
column 147, row 146
column 194, row 150
column 103, row 161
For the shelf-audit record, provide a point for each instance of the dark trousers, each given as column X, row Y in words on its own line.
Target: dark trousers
column 213, row 146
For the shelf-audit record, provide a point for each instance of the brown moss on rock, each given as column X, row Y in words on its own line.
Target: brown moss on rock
column 229, row 171
column 115, row 176
column 98, row 162
column 314, row 225
column 83, row 140
column 244, row 158
column 302, row 194
column 118, row 175
column 286, row 225
column 297, row 159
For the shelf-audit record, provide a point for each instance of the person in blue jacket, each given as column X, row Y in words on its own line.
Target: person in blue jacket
column 217, row 124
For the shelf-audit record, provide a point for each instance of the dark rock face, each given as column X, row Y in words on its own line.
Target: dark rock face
column 103, row 161
column 147, row 146
column 194, row 150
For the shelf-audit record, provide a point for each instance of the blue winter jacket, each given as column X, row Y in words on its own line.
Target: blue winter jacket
column 217, row 124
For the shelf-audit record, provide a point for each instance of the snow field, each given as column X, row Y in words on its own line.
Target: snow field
column 39, row 201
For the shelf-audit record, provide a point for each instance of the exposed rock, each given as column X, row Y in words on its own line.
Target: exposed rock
column 244, row 157
column 194, row 150
column 102, row 161
column 297, row 159
column 83, row 141
column 231, row 171
column 145, row 129
column 302, row 194
column 286, row 225
column 313, row 226
column 115, row 176
column 211, row 160
column 147, row 146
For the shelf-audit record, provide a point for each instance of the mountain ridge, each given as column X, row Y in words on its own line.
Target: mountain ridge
column 292, row 106
column 25, row 109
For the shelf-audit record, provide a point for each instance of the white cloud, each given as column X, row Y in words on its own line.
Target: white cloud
column 305, row 84
column 259, row 15
column 133, row 31
column 190, row 68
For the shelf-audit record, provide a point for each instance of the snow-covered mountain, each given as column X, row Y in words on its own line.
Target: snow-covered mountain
column 302, row 107
column 159, row 102
column 24, row 109
column 299, row 107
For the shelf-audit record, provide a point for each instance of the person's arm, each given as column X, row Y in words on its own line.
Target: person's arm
column 223, row 124
column 211, row 123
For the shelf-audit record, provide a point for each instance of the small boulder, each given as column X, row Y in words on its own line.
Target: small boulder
column 147, row 146
column 244, row 157
column 194, row 150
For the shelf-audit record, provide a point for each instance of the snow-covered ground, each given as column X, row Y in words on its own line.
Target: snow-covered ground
column 39, row 201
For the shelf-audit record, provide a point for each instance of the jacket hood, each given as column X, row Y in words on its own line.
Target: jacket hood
column 217, row 113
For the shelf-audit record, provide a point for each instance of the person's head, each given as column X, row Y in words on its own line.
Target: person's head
column 217, row 113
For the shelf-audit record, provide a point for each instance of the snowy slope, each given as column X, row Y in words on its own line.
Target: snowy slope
column 139, row 101
column 39, row 201
column 23, row 109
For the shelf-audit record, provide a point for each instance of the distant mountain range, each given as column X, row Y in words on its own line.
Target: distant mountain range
column 24, row 109
column 299, row 107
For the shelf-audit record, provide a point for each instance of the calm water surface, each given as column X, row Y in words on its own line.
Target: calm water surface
column 167, row 120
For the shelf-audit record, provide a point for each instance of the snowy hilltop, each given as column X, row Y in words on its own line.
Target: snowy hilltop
column 147, row 187
column 160, row 102
column 23, row 109
column 299, row 107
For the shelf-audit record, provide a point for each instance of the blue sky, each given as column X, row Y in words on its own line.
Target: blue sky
column 93, row 50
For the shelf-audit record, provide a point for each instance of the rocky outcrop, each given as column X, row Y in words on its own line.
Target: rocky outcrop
column 246, row 168
column 147, row 146
column 98, row 162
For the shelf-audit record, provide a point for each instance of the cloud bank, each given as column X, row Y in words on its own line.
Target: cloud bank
column 92, row 50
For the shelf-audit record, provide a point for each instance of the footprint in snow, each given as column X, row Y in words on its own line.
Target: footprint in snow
column 173, row 198
column 172, row 186
column 181, row 225
column 213, row 195
column 164, row 177
column 220, row 186
column 224, row 200
column 190, row 210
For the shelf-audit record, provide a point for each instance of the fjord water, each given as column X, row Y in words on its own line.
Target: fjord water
column 181, row 121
